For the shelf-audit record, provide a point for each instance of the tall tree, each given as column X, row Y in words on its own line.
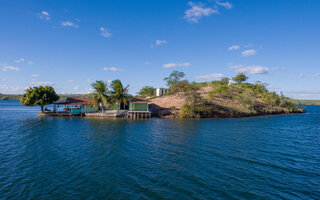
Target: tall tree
column 100, row 95
column 118, row 93
column 147, row 91
column 173, row 78
column 240, row 78
column 39, row 96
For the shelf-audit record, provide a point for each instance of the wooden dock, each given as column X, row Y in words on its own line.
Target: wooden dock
column 139, row 114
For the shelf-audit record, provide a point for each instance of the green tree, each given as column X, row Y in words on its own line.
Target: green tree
column 224, row 81
column 147, row 91
column 240, row 78
column 173, row 78
column 39, row 96
column 100, row 95
column 119, row 93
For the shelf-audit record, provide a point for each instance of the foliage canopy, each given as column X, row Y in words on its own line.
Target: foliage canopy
column 39, row 96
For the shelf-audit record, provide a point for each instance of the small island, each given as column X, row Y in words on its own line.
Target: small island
column 226, row 98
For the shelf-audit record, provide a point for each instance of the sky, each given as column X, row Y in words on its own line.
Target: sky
column 70, row 44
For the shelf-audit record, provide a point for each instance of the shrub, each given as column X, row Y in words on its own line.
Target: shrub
column 271, row 98
column 210, row 94
column 248, row 99
column 222, row 89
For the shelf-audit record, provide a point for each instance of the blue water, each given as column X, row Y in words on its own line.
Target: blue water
column 273, row 157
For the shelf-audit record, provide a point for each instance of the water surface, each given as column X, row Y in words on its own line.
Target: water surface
column 273, row 157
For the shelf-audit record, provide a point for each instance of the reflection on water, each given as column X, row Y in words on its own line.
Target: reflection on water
column 275, row 157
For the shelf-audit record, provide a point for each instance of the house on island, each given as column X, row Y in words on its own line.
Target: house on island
column 134, row 108
column 73, row 106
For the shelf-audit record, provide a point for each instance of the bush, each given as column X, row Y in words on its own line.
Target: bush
column 271, row 98
column 188, row 111
column 182, row 87
column 222, row 89
column 195, row 111
column 248, row 99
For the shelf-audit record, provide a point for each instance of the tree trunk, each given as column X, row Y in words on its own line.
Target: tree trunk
column 42, row 106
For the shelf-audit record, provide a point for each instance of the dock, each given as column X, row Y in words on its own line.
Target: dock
column 139, row 114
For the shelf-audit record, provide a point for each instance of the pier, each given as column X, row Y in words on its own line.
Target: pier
column 139, row 114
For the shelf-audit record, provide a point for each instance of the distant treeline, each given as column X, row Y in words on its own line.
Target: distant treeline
column 308, row 102
column 62, row 96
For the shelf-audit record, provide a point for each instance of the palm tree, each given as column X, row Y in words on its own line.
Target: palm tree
column 119, row 93
column 100, row 95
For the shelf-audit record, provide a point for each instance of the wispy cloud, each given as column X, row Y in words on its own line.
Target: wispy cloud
column 197, row 11
column 250, row 52
column 147, row 63
column 234, row 47
column 301, row 75
column 30, row 62
column 10, row 68
column 70, row 81
column 316, row 74
column 160, row 42
column 76, row 87
column 225, row 4
column 44, row 15
column 114, row 69
column 19, row 60
column 105, row 33
column 303, row 94
column 255, row 69
column 42, row 83
column 69, row 24
column 174, row 65
column 211, row 77
column 35, row 75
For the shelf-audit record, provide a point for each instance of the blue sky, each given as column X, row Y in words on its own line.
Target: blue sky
column 68, row 44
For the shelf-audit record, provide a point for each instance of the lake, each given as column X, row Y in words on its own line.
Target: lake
column 272, row 157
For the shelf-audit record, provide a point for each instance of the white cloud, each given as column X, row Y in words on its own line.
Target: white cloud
column 4, row 87
column 69, row 24
column 197, row 11
column 114, row 69
column 77, row 87
column 44, row 15
column 225, row 4
column 255, row 69
column 317, row 74
column 105, row 33
column 8, row 68
column 174, row 65
column 301, row 75
column 147, row 63
column 234, row 47
column 30, row 62
column 42, row 83
column 20, row 60
column 160, row 42
column 35, row 75
column 249, row 52
column 303, row 94
column 211, row 77
column 70, row 81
